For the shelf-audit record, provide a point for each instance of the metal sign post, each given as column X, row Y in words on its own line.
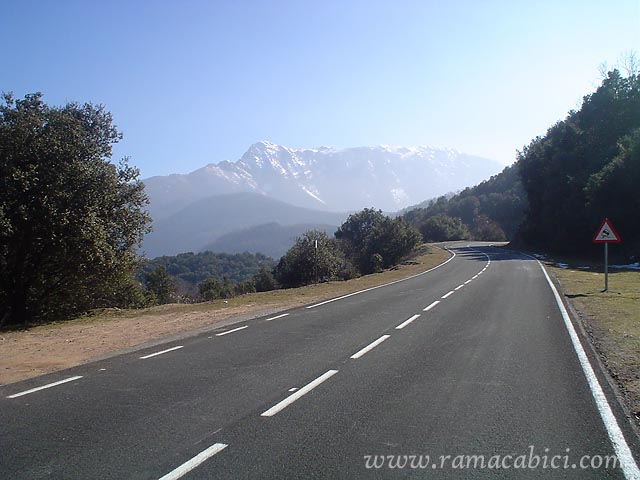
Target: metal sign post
column 606, row 234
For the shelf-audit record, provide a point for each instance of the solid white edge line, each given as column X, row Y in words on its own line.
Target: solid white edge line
column 447, row 295
column 623, row 452
column 453, row 255
column 49, row 385
column 194, row 462
column 369, row 347
column 160, row 353
column 299, row 393
column 231, row 331
column 276, row 317
column 407, row 322
column 426, row 309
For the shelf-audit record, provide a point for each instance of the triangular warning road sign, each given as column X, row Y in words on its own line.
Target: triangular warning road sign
column 606, row 233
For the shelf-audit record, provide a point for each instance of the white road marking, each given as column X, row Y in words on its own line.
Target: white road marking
column 231, row 331
column 369, row 347
column 160, row 353
column 49, row 385
column 295, row 396
column 474, row 277
column 194, row 462
column 431, row 306
column 458, row 287
column 447, row 295
column 293, row 389
column 467, row 282
column 623, row 452
column 406, row 322
column 386, row 284
column 278, row 316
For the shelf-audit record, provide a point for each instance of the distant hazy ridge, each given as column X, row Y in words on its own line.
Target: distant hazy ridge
column 193, row 210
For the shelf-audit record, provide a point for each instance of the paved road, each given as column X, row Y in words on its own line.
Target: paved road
column 470, row 364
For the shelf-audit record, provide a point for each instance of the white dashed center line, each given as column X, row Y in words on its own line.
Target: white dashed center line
column 194, row 462
column 49, row 385
column 160, row 353
column 407, row 322
column 447, row 295
column 371, row 346
column 231, row 331
column 431, row 306
column 295, row 396
column 276, row 317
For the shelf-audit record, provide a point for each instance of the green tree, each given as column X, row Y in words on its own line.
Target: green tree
column 304, row 263
column 373, row 241
column 213, row 289
column 160, row 284
column 71, row 220
column 442, row 228
column 264, row 280
column 488, row 230
column 561, row 171
column 613, row 192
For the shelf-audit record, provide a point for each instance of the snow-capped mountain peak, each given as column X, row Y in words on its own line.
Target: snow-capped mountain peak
column 384, row 176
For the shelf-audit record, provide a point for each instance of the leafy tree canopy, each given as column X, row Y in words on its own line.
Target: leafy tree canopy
column 190, row 269
column 583, row 170
column 373, row 241
column 315, row 257
column 70, row 220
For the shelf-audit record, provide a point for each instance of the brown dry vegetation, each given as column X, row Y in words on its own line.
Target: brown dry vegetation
column 47, row 348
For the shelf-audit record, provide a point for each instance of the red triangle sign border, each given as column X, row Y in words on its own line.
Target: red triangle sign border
column 606, row 233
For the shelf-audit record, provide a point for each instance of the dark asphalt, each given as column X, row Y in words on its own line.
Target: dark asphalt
column 488, row 371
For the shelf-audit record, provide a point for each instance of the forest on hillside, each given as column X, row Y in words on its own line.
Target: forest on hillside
column 71, row 221
column 554, row 197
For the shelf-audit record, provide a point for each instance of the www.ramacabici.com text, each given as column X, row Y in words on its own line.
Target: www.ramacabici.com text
column 531, row 460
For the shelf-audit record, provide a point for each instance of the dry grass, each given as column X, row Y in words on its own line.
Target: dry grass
column 612, row 319
column 47, row 348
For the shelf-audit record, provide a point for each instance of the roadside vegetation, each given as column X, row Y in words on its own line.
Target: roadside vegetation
column 553, row 198
column 611, row 319
column 56, row 345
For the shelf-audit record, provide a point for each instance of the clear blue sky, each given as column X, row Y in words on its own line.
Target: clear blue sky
column 195, row 82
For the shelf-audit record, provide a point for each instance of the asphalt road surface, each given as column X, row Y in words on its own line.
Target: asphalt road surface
column 467, row 371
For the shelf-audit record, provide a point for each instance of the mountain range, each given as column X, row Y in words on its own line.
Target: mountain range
column 191, row 211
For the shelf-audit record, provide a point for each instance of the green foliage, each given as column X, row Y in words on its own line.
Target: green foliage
column 442, row 228
column 369, row 233
column 501, row 199
column 70, row 220
column 487, row 230
column 213, row 289
column 189, row 269
column 160, row 284
column 574, row 173
column 264, row 281
column 613, row 191
column 304, row 263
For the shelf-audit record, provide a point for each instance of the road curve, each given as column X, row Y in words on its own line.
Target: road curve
column 470, row 363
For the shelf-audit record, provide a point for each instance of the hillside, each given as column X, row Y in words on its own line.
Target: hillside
column 501, row 199
column 204, row 221
column 270, row 239
column 586, row 167
column 384, row 177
